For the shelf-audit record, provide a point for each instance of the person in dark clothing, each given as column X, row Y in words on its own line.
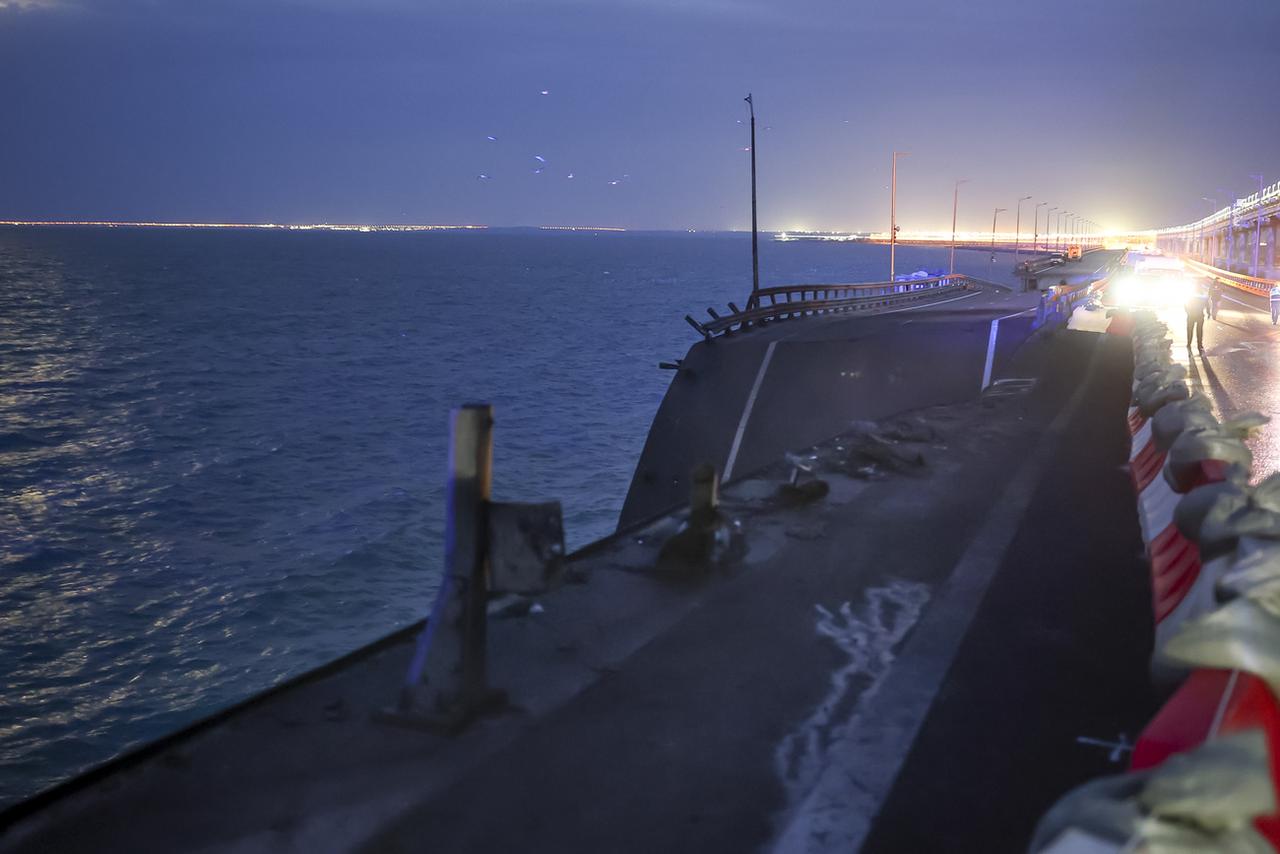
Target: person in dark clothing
column 1196, row 305
column 1214, row 295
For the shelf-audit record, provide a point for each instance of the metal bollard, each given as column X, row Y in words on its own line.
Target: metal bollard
column 704, row 496
column 489, row 547
column 446, row 681
column 707, row 539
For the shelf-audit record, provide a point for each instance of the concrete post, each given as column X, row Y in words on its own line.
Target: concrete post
column 704, row 497
column 446, row 682
column 1271, row 250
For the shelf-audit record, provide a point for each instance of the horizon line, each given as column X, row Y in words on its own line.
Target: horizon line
column 870, row 235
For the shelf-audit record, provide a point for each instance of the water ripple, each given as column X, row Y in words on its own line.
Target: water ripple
column 221, row 452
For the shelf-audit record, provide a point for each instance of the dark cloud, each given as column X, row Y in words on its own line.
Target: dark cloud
column 380, row 110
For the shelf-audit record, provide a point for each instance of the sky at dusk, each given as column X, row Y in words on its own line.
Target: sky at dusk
column 380, row 111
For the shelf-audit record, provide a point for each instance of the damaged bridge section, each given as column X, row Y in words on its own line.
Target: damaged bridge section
column 913, row 621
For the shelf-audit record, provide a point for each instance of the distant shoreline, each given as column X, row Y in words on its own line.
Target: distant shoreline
column 967, row 241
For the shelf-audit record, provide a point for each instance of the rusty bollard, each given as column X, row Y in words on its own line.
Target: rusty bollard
column 707, row 538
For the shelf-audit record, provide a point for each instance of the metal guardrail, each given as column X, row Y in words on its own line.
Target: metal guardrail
column 791, row 301
column 1057, row 303
column 1249, row 284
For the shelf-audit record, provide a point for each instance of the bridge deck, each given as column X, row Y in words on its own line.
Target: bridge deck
column 733, row 714
column 822, row 373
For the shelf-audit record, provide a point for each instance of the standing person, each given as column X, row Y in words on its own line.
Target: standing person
column 1195, row 307
column 1215, row 293
column 1275, row 303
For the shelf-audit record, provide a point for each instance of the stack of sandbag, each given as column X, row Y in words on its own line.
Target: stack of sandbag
column 1203, row 776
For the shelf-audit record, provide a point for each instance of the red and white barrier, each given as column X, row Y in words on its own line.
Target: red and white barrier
column 1211, row 701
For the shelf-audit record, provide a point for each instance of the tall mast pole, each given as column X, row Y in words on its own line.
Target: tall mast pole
column 1257, row 237
column 1017, row 231
column 992, row 262
column 955, row 205
column 755, row 249
column 893, row 212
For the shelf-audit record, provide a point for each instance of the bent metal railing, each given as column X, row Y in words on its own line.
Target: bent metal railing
column 791, row 301
column 1249, row 284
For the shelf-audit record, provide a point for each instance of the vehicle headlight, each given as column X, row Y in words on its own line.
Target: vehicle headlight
column 1121, row 291
column 1177, row 291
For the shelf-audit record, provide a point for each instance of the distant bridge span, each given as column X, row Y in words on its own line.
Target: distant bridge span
column 1239, row 238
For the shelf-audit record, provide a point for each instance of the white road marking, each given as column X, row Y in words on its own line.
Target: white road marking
column 1245, row 304
column 864, row 752
column 746, row 410
column 927, row 304
column 991, row 345
column 991, row 354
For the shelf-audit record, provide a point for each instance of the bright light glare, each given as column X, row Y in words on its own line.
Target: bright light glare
column 1151, row 290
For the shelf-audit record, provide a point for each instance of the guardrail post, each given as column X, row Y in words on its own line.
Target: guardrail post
column 446, row 682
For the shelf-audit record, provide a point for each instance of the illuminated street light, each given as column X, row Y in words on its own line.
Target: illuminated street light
column 991, row 264
column 755, row 253
column 1035, row 227
column 1047, row 214
column 955, row 204
column 1017, row 231
column 893, row 212
column 1257, row 237
column 1057, row 231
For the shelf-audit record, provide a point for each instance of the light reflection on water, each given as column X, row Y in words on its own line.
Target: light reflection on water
column 220, row 453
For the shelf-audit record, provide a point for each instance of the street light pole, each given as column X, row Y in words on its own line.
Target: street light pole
column 1035, row 227
column 955, row 205
column 1048, row 214
column 1017, row 231
column 1257, row 237
column 991, row 264
column 755, row 249
column 893, row 212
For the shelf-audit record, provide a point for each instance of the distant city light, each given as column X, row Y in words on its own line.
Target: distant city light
column 315, row 226
column 579, row 228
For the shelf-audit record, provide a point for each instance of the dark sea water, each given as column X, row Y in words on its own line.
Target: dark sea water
column 222, row 452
